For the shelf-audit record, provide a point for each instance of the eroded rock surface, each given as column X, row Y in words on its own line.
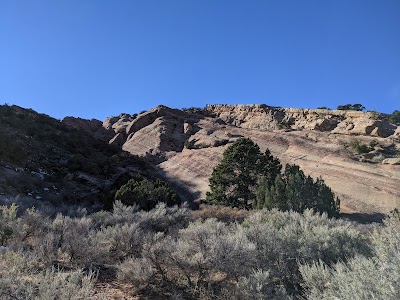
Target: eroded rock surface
column 185, row 147
column 93, row 126
column 317, row 140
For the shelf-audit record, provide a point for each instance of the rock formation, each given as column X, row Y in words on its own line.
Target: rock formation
column 93, row 126
column 317, row 140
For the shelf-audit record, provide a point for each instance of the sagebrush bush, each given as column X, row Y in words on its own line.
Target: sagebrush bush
column 285, row 238
column 361, row 277
column 21, row 277
column 260, row 285
column 271, row 254
column 138, row 271
column 121, row 241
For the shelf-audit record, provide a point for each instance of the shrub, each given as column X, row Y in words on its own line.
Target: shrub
column 8, row 222
column 296, row 191
column 138, row 271
column 361, row 277
column 246, row 178
column 259, row 285
column 191, row 144
column 78, row 241
column 356, row 107
column 359, row 147
column 221, row 142
column 121, row 241
column 395, row 117
column 146, row 193
column 373, row 143
column 192, row 110
column 21, row 277
column 283, row 239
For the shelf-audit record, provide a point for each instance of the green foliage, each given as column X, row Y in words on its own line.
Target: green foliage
column 192, row 110
column 395, row 117
column 323, row 107
column 360, row 278
column 356, row 107
column 296, row 191
column 8, row 222
column 160, row 252
column 284, row 124
column 247, row 178
column 373, row 143
column 40, row 141
column 358, row 147
column 146, row 193
column 234, row 181
column 375, row 115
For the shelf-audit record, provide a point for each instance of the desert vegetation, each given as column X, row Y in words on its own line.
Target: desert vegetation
column 247, row 178
column 395, row 117
column 167, row 253
column 146, row 193
column 264, row 231
column 356, row 107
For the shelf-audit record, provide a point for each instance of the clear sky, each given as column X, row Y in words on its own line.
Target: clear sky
column 96, row 58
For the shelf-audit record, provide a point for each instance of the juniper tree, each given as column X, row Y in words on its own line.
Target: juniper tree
column 296, row 191
column 234, row 181
column 247, row 178
column 146, row 193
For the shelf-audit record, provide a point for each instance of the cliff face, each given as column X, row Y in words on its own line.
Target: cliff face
column 317, row 140
column 337, row 121
column 185, row 147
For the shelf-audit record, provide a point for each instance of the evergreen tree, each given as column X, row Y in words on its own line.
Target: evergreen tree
column 234, row 181
column 296, row 191
column 270, row 167
column 247, row 178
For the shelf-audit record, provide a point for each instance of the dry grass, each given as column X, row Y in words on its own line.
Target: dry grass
column 221, row 213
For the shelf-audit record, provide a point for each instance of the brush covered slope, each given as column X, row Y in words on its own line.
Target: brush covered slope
column 46, row 161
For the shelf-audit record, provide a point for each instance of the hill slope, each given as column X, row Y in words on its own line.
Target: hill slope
column 317, row 140
column 79, row 160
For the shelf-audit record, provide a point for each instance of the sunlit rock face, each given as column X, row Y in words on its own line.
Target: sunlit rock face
column 185, row 147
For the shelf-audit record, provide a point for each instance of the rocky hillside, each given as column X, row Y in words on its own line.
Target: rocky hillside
column 356, row 153
column 47, row 162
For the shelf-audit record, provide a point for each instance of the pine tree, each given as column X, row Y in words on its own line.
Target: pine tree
column 234, row 180
column 247, row 178
column 296, row 191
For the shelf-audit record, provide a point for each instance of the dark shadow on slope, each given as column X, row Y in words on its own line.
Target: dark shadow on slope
column 364, row 218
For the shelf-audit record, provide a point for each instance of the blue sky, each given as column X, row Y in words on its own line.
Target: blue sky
column 99, row 58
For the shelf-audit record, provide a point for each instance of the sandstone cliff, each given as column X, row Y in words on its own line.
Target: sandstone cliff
column 337, row 121
column 317, row 140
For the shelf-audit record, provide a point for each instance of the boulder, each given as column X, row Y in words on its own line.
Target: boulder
column 396, row 134
column 391, row 161
column 107, row 124
column 93, row 127
column 187, row 128
column 118, row 124
column 118, row 140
